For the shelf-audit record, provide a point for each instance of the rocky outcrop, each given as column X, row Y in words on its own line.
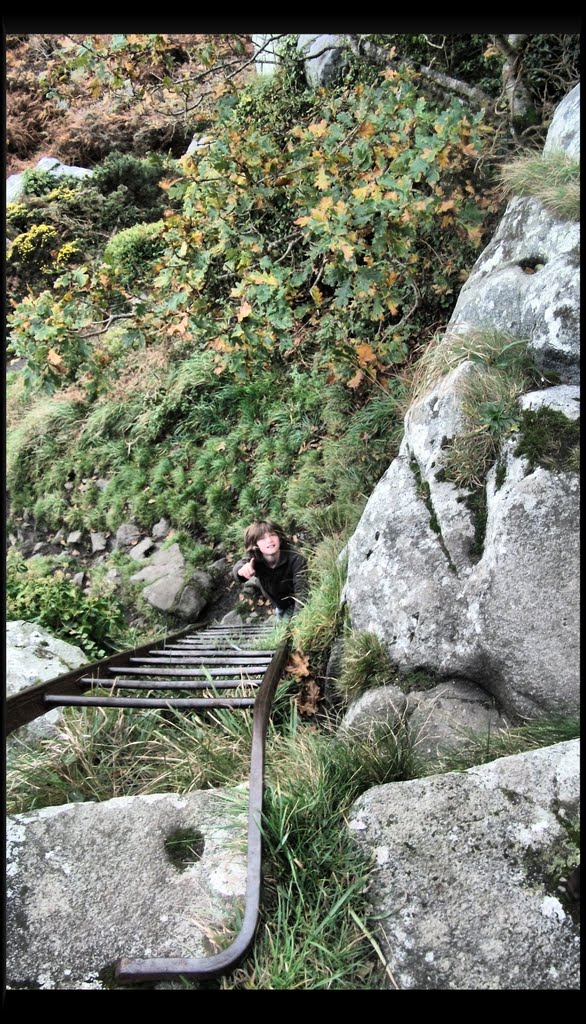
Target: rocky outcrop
column 142, row 876
column 170, row 588
column 33, row 656
column 440, row 720
column 467, row 880
column 505, row 618
column 15, row 184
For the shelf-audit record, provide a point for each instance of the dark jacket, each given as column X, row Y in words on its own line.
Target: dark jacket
column 285, row 584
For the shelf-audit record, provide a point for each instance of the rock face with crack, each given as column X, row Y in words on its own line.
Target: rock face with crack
column 505, row 617
column 466, row 883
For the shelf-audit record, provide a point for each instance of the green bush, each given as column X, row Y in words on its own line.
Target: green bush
column 132, row 252
column 44, row 593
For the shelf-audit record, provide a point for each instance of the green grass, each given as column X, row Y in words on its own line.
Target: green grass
column 365, row 665
column 552, row 178
column 549, row 439
column 482, row 748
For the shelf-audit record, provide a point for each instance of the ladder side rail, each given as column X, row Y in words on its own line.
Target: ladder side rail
column 28, row 704
column 162, row 968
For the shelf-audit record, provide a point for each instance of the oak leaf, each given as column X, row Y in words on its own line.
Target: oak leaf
column 244, row 311
column 298, row 664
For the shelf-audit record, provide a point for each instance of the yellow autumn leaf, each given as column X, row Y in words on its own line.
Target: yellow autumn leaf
column 448, row 204
column 316, row 295
column 322, row 181
column 325, row 203
column 392, row 277
column 347, row 250
column 367, row 129
column 319, row 130
column 365, row 353
column 54, row 359
column 361, row 192
column 302, row 221
column 355, row 380
column 391, row 305
column 244, row 311
column 264, row 279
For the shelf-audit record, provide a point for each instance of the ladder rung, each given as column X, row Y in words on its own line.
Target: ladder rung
column 192, row 659
column 155, row 671
column 187, row 684
column 154, row 702
column 213, row 652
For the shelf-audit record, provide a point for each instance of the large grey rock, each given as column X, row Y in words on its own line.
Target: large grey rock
column 98, row 542
column 194, row 596
column 564, row 399
column 564, row 130
column 164, row 593
column 523, row 596
column 444, row 719
column 140, row 550
column 400, row 584
column 167, row 562
column 34, row 655
column 463, row 887
column 127, row 535
column 89, row 883
column 543, row 306
column 326, row 57
column 511, row 623
column 382, row 706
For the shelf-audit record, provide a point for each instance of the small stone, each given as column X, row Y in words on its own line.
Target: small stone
column 75, row 537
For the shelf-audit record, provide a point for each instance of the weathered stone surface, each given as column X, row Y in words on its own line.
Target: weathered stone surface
column 564, row 399
column 167, row 562
column 543, row 306
column 160, row 529
column 74, row 537
column 33, row 655
column 195, row 596
column 383, row 706
column 400, row 585
column 126, row 535
column 91, row 882
column 141, row 549
column 523, row 595
column 98, row 542
column 433, row 420
column 326, row 57
column 462, row 888
column 442, row 719
column 164, row 593
column 564, row 130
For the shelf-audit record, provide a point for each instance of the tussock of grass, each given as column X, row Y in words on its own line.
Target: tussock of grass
column 314, row 628
column 482, row 748
column 552, row 178
column 365, row 665
column 487, row 346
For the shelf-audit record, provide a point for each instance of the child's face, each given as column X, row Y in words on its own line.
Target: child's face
column 269, row 544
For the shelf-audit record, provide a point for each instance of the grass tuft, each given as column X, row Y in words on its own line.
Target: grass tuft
column 552, row 178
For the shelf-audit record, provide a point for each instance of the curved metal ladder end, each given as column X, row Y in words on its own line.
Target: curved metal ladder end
column 163, row 968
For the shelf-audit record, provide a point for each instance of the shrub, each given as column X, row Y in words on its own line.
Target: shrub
column 44, row 593
column 132, row 252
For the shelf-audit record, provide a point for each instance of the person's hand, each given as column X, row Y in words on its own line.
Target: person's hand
column 247, row 570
